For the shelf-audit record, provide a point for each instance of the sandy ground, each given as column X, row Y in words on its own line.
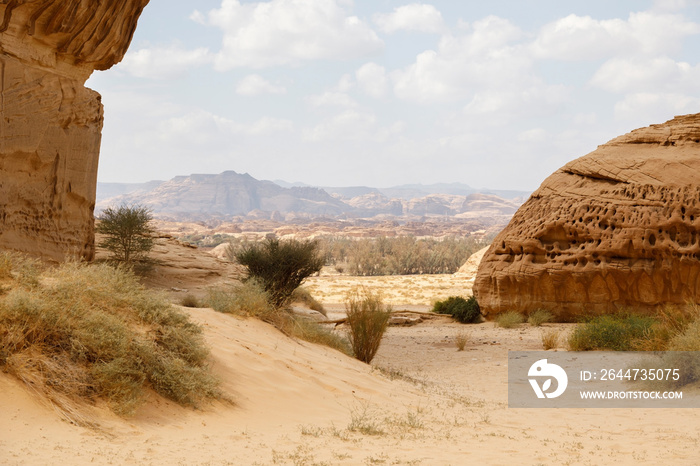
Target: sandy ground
column 421, row 290
column 300, row 404
column 297, row 403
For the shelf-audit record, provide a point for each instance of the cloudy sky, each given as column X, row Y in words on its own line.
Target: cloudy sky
column 494, row 94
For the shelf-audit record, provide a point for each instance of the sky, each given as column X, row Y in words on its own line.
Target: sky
column 495, row 94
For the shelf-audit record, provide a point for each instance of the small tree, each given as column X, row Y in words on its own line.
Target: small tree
column 127, row 231
column 281, row 266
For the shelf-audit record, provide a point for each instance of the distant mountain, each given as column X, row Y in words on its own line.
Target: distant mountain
column 412, row 191
column 229, row 194
column 109, row 190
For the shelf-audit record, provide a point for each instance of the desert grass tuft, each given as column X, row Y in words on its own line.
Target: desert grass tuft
column 510, row 319
column 461, row 341
column 244, row 299
column 92, row 331
column 249, row 299
column 550, row 339
column 190, row 300
column 302, row 295
column 313, row 332
column 539, row 317
column 367, row 319
column 614, row 332
column 20, row 269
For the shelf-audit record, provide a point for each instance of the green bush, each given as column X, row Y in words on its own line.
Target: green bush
column 94, row 331
column 280, row 266
column 620, row 332
column 368, row 318
column 509, row 319
column 466, row 311
column 539, row 317
column 127, row 232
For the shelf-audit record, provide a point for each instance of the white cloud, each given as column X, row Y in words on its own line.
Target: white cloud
column 535, row 99
column 534, row 135
column 584, row 38
column 645, row 107
column 632, row 75
column 347, row 126
column 673, row 5
column 345, row 83
column 487, row 57
column 289, row 32
column 331, row 98
column 255, row 84
column 202, row 127
column 163, row 62
column 372, row 79
column 418, row 17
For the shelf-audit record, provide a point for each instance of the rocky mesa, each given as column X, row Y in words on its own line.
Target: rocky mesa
column 617, row 228
column 51, row 124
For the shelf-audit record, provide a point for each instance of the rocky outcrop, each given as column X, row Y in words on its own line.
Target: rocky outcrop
column 617, row 228
column 50, row 123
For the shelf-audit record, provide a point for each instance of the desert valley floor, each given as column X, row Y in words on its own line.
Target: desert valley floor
column 292, row 402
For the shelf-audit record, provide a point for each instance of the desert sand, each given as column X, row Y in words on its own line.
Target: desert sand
column 292, row 402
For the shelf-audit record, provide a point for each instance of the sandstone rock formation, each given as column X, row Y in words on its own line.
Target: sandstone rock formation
column 617, row 228
column 50, row 123
column 470, row 268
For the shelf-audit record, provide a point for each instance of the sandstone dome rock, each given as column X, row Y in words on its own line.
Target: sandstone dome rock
column 617, row 228
column 51, row 124
column 469, row 270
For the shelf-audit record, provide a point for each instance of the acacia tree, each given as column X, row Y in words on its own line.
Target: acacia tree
column 127, row 231
column 281, row 266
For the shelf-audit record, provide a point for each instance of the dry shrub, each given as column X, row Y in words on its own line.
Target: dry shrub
column 190, row 300
column 461, row 341
column 249, row 299
column 244, row 299
column 19, row 269
column 368, row 318
column 313, row 332
column 509, row 319
column 95, row 332
column 614, row 332
column 550, row 339
column 539, row 317
column 302, row 295
column 6, row 265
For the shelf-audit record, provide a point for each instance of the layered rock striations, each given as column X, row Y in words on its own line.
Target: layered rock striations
column 50, row 124
column 618, row 228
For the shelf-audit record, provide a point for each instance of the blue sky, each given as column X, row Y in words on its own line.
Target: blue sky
column 495, row 94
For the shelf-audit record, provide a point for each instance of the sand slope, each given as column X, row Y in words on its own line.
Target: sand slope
column 298, row 403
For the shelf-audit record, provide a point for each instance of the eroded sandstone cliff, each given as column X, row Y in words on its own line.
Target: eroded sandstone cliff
column 617, row 228
column 50, row 123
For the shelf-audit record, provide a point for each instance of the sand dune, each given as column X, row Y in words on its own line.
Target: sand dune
column 298, row 403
